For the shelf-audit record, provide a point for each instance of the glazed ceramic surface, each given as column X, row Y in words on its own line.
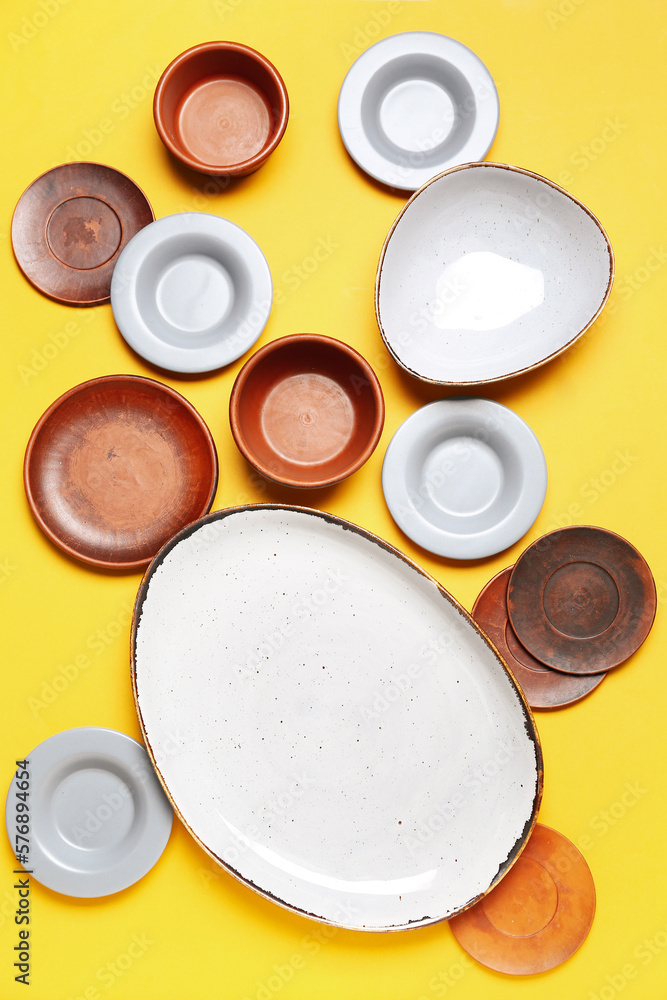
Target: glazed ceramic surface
column 350, row 745
column 489, row 271
column 115, row 466
column 71, row 224
column 221, row 108
column 415, row 104
column 306, row 410
column 464, row 478
column 99, row 819
column 192, row 293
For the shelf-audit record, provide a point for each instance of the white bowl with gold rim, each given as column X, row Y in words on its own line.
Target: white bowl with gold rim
column 489, row 271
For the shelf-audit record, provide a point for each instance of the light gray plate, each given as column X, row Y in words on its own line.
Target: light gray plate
column 415, row 104
column 464, row 478
column 98, row 817
column 191, row 292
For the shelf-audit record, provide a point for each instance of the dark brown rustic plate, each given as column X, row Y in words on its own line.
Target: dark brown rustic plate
column 581, row 599
column 116, row 466
column 539, row 914
column 69, row 227
column 542, row 686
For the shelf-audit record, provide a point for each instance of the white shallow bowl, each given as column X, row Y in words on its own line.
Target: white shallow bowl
column 191, row 292
column 415, row 104
column 464, row 478
column 350, row 744
column 489, row 271
column 99, row 819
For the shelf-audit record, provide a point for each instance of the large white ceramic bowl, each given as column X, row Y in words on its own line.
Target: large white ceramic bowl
column 489, row 271
column 349, row 743
column 191, row 292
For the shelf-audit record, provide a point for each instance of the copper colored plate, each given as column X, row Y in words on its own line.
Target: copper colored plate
column 581, row 599
column 539, row 914
column 116, row 466
column 542, row 686
column 69, row 227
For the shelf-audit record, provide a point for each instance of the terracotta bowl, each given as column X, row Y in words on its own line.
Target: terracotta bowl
column 221, row 108
column 306, row 410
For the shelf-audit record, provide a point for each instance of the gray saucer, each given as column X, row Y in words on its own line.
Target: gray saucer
column 98, row 818
column 191, row 292
column 464, row 478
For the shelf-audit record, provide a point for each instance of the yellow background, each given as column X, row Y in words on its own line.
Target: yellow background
column 582, row 87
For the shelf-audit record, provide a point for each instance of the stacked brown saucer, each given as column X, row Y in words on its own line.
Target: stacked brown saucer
column 578, row 602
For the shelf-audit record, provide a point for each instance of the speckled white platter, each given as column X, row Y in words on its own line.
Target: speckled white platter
column 414, row 104
column 329, row 723
column 464, row 478
column 489, row 271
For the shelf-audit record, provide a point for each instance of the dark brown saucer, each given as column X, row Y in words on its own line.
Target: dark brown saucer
column 116, row 466
column 539, row 914
column 542, row 686
column 581, row 599
column 71, row 224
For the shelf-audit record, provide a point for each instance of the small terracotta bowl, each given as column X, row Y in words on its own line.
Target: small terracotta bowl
column 306, row 410
column 221, row 108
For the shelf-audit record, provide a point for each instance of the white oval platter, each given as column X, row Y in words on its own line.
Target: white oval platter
column 489, row 271
column 350, row 744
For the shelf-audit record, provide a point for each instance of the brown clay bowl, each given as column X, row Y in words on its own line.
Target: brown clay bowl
column 115, row 467
column 306, row 410
column 221, row 108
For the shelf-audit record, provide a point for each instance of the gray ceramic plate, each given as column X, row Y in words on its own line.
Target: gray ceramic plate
column 98, row 817
column 464, row 478
column 415, row 104
column 191, row 292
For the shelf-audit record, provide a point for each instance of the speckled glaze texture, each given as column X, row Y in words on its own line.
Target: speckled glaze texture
column 329, row 723
column 489, row 271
